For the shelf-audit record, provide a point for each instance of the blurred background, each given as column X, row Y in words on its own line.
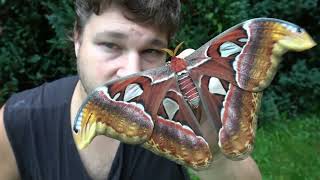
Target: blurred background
column 35, row 48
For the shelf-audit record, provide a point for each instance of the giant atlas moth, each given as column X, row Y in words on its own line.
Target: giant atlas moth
column 192, row 109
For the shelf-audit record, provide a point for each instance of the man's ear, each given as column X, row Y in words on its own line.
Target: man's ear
column 76, row 41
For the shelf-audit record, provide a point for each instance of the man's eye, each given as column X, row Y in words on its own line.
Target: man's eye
column 110, row 46
column 154, row 57
column 155, row 52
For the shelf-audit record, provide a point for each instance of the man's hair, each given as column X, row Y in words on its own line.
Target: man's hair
column 161, row 14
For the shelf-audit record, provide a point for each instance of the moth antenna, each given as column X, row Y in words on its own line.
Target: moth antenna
column 169, row 51
column 177, row 48
column 172, row 53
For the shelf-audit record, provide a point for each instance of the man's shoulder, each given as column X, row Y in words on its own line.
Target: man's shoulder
column 48, row 94
column 25, row 111
column 26, row 117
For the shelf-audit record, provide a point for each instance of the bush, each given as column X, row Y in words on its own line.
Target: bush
column 34, row 45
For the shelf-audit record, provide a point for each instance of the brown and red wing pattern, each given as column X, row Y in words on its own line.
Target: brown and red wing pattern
column 124, row 109
column 231, row 72
column 232, row 112
column 177, row 133
column 248, row 54
column 147, row 110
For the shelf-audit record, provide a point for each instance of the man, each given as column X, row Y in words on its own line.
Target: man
column 112, row 39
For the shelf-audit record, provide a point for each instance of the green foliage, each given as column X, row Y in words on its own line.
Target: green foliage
column 269, row 108
column 60, row 18
column 304, row 86
column 296, row 92
column 205, row 19
column 30, row 51
column 192, row 174
column 288, row 149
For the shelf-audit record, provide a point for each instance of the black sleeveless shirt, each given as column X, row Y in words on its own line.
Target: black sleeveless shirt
column 37, row 123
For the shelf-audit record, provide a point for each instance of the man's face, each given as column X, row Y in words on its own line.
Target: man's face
column 112, row 46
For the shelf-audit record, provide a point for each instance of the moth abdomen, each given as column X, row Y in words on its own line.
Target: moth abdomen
column 188, row 90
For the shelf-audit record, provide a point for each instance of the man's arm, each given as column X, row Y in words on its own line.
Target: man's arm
column 226, row 169
column 8, row 166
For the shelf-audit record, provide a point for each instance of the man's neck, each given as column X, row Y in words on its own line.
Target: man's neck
column 97, row 158
column 78, row 97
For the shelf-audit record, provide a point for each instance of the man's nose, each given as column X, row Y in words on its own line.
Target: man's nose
column 131, row 64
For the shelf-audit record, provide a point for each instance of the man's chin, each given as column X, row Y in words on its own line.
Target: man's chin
column 88, row 88
column 113, row 78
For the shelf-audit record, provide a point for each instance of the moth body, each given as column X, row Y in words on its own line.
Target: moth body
column 188, row 90
column 186, row 84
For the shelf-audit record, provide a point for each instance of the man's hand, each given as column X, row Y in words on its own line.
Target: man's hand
column 226, row 169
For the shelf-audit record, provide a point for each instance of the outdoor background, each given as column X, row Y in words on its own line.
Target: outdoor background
column 35, row 47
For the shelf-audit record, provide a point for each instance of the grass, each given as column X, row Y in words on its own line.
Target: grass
column 288, row 149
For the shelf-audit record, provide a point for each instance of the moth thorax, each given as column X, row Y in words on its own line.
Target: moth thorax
column 188, row 90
